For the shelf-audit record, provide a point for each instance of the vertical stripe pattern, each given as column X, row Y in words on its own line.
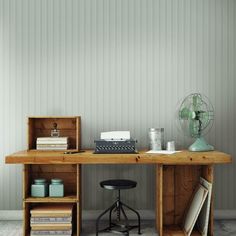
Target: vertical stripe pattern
column 121, row 65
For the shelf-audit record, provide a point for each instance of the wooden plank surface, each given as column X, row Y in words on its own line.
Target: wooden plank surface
column 68, row 198
column 26, row 180
column 79, row 197
column 47, row 123
column 186, row 181
column 87, row 157
column 26, row 218
column 159, row 199
column 177, row 231
column 208, row 174
column 168, row 195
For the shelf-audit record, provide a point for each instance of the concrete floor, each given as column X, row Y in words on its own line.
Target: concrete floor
column 222, row 228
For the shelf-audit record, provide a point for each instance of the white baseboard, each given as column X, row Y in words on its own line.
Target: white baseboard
column 224, row 214
column 93, row 214
column 11, row 215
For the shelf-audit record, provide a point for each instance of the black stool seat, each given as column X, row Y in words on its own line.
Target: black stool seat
column 117, row 184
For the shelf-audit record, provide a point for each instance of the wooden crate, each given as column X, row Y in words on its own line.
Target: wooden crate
column 71, row 176
column 68, row 126
column 175, row 186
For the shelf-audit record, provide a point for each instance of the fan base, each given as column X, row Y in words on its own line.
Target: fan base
column 200, row 145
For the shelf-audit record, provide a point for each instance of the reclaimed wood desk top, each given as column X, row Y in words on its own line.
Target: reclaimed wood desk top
column 88, row 157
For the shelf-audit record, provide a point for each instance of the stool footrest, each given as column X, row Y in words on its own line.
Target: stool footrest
column 125, row 228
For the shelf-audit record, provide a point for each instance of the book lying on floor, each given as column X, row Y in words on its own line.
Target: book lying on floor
column 194, row 209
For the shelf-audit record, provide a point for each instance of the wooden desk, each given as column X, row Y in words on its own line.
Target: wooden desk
column 176, row 178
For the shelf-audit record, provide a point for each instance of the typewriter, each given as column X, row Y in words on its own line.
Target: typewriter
column 115, row 142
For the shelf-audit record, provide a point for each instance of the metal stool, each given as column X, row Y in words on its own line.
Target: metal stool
column 118, row 184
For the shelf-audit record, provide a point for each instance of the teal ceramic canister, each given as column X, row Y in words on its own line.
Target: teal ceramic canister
column 39, row 188
column 56, row 188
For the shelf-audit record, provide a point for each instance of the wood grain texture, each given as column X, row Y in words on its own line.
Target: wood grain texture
column 67, row 198
column 179, row 184
column 67, row 173
column 208, row 174
column 87, row 157
column 169, row 195
column 67, row 126
column 26, row 180
column 26, row 217
column 159, row 199
column 79, row 197
column 186, row 181
column 71, row 176
column 177, row 231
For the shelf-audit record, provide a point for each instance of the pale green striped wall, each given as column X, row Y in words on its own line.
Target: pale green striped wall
column 120, row 64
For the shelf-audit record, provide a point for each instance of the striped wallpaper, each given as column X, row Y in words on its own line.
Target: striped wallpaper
column 121, row 65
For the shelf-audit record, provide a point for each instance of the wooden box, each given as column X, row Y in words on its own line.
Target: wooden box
column 68, row 126
column 175, row 187
column 71, row 176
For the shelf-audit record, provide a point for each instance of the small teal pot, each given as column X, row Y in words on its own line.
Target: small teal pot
column 56, row 188
column 39, row 188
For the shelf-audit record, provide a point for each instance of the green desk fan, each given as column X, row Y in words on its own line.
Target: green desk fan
column 196, row 118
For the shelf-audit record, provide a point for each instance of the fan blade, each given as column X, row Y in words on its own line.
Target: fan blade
column 185, row 113
column 193, row 128
column 196, row 101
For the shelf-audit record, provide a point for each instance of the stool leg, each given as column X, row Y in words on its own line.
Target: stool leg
column 111, row 209
column 100, row 216
column 126, row 219
column 139, row 228
column 118, row 206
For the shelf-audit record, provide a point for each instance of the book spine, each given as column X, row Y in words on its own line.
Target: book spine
column 51, row 232
column 50, row 219
column 52, row 148
column 52, row 143
column 49, row 227
column 50, row 214
column 52, row 139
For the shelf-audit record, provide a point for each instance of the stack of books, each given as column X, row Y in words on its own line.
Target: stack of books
column 52, row 143
column 53, row 220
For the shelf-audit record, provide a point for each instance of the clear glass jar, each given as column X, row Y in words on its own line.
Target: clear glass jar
column 156, row 139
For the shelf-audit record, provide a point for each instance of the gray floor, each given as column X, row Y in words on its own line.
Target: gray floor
column 222, row 228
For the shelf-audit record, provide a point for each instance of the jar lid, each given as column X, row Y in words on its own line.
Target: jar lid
column 40, row 181
column 56, row 181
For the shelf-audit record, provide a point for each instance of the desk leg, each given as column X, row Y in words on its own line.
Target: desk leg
column 159, row 199
column 79, row 203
